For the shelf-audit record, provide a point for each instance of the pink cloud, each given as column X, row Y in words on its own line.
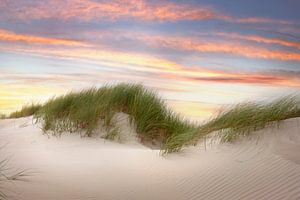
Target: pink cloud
column 6, row 35
column 261, row 39
column 201, row 46
column 87, row 10
column 249, row 78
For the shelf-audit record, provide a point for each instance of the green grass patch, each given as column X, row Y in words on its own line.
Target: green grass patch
column 81, row 111
column 153, row 120
column 26, row 110
column 113, row 135
column 238, row 121
column 245, row 118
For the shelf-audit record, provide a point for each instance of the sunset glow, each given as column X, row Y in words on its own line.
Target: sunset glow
column 199, row 55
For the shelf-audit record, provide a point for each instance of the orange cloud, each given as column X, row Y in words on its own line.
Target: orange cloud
column 11, row 36
column 239, row 78
column 261, row 39
column 169, row 69
column 144, row 63
column 87, row 10
column 134, row 61
column 192, row 44
column 254, row 20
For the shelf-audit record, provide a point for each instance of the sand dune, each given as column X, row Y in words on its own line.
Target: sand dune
column 74, row 168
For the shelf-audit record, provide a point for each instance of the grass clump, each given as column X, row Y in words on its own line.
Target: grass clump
column 243, row 119
column 154, row 121
column 238, row 121
column 82, row 111
column 113, row 135
column 27, row 110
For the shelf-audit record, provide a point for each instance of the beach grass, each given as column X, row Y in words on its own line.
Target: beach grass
column 153, row 120
column 240, row 120
column 81, row 111
column 243, row 119
column 26, row 110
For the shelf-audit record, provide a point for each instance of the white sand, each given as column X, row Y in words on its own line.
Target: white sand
column 74, row 168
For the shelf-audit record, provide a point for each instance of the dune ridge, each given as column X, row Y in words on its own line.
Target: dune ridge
column 72, row 168
column 154, row 122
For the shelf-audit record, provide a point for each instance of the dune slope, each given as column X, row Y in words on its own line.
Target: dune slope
column 74, row 168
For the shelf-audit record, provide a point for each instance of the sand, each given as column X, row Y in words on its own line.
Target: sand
column 75, row 168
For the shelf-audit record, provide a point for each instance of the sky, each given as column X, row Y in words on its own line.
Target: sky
column 199, row 55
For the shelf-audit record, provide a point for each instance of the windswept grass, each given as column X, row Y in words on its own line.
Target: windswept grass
column 240, row 120
column 243, row 119
column 27, row 110
column 153, row 120
column 81, row 112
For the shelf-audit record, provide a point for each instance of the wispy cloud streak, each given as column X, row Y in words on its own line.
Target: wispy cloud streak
column 233, row 48
column 260, row 39
column 168, row 69
column 111, row 10
column 136, row 61
column 88, row 10
column 6, row 35
column 189, row 51
column 266, row 78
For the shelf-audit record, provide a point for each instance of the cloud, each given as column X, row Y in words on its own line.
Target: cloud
column 260, row 39
column 233, row 48
column 199, row 43
column 6, row 35
column 255, row 20
column 263, row 78
column 116, row 59
column 144, row 63
column 87, row 10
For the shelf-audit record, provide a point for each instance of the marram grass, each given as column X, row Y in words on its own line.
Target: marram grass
column 153, row 120
column 240, row 120
column 81, row 112
column 26, row 110
column 243, row 119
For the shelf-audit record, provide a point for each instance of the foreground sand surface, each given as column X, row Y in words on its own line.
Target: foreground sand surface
column 75, row 168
